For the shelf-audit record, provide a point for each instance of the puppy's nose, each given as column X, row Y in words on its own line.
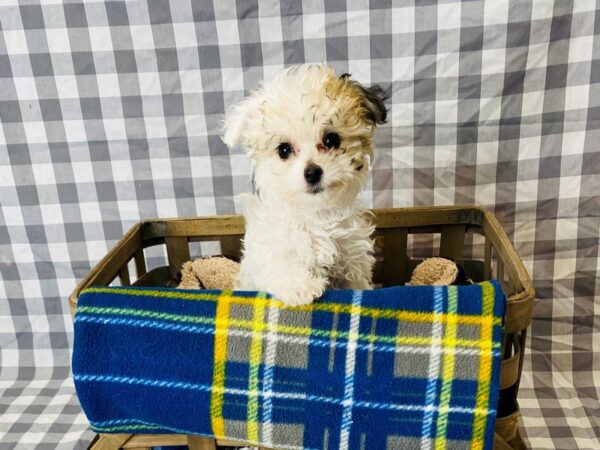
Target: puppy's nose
column 313, row 173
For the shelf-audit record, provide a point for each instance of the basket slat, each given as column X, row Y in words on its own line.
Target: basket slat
column 394, row 256
column 231, row 247
column 487, row 259
column 140, row 262
column 178, row 252
column 124, row 275
column 452, row 243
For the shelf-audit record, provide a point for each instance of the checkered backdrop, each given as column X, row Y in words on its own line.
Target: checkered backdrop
column 110, row 113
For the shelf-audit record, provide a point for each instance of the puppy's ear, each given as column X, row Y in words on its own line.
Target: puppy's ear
column 373, row 100
column 237, row 121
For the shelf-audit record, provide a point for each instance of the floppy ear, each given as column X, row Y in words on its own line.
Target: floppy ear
column 373, row 100
column 234, row 125
column 237, row 121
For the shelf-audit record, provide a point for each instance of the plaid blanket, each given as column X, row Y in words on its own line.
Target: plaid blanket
column 394, row 368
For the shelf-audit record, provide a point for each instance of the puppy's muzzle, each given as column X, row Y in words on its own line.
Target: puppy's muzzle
column 313, row 174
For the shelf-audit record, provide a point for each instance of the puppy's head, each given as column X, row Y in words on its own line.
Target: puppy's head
column 309, row 134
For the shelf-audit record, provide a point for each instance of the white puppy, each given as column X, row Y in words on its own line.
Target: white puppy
column 309, row 136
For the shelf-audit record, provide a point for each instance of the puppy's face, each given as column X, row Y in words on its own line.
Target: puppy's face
column 308, row 134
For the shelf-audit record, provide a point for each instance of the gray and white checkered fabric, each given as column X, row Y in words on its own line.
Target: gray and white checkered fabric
column 111, row 112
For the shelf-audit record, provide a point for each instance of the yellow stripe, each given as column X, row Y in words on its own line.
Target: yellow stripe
column 299, row 331
column 485, row 368
column 220, row 357
column 258, row 325
column 397, row 340
column 410, row 316
column 152, row 293
column 447, row 371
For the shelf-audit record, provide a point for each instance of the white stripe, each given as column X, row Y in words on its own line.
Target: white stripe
column 350, row 365
column 170, row 384
column 434, row 368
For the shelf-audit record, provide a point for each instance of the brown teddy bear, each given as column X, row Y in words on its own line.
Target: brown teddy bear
column 209, row 273
column 438, row 272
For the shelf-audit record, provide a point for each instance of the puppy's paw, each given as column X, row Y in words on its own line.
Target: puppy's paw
column 300, row 294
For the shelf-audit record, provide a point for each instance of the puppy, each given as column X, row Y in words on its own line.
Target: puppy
column 308, row 134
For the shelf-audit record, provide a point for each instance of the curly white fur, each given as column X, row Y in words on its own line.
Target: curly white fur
column 302, row 238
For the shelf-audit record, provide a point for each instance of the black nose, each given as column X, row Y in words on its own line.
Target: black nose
column 313, row 173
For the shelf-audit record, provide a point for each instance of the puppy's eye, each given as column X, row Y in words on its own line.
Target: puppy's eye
column 284, row 150
column 332, row 140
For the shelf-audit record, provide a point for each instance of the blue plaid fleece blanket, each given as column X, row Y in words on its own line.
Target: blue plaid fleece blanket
column 395, row 368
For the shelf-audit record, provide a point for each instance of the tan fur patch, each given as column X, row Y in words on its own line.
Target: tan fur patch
column 349, row 97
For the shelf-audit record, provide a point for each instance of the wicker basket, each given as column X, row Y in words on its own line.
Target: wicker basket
column 393, row 267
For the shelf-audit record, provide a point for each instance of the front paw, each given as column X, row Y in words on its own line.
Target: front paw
column 301, row 294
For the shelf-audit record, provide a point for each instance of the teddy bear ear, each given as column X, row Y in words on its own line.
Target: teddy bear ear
column 237, row 121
